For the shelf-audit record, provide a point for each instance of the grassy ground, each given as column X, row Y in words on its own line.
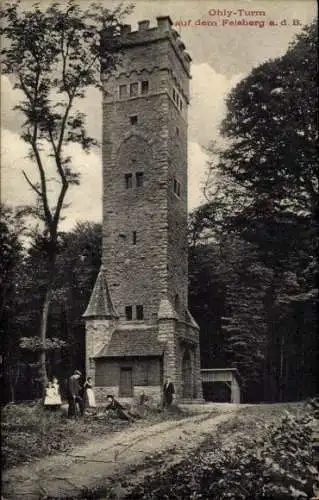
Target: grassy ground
column 29, row 432
column 262, row 452
column 265, row 452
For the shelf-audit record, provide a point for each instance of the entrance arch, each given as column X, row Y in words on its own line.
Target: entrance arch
column 187, row 375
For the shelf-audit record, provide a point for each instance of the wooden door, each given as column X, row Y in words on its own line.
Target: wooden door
column 126, row 382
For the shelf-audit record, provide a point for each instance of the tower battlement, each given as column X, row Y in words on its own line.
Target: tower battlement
column 145, row 35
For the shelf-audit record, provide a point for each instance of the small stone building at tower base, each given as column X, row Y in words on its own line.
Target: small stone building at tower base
column 128, row 358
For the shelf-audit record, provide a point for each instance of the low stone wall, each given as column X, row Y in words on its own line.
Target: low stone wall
column 154, row 392
column 102, row 392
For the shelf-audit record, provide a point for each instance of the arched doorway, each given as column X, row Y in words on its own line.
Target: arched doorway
column 187, row 375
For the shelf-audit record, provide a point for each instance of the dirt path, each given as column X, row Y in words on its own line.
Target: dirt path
column 129, row 452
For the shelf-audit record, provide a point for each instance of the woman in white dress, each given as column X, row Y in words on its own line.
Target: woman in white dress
column 52, row 398
column 89, row 397
column 57, row 393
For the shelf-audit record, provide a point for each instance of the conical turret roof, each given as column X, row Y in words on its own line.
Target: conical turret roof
column 100, row 304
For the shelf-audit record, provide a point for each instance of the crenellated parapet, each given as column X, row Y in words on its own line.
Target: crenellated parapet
column 146, row 34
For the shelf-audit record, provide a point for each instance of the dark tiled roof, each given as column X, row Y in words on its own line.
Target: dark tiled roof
column 100, row 302
column 132, row 342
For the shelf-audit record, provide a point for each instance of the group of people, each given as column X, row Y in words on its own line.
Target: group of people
column 83, row 398
column 79, row 398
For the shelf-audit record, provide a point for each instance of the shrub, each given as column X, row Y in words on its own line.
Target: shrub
column 278, row 465
column 29, row 431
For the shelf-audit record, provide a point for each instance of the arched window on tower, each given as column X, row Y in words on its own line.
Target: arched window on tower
column 144, row 87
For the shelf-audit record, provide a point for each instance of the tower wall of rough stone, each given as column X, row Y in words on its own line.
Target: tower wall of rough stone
column 155, row 266
column 144, row 156
column 97, row 335
column 137, row 273
column 177, row 209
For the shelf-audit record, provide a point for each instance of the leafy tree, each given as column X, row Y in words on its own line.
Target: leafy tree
column 244, row 323
column 228, row 287
column 77, row 266
column 270, row 161
column 207, row 296
column 53, row 56
column 12, row 256
column 11, row 229
column 267, row 194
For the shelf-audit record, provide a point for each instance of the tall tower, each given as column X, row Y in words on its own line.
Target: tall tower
column 138, row 327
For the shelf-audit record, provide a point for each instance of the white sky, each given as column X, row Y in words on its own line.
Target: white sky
column 222, row 55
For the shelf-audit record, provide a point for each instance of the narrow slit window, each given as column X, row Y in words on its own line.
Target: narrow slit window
column 177, row 303
column 134, row 237
column 174, row 95
column 128, row 181
column 144, row 87
column 129, row 313
column 139, row 179
column 139, row 312
column 123, row 91
column 177, row 131
column 133, row 89
column 177, row 187
column 133, row 120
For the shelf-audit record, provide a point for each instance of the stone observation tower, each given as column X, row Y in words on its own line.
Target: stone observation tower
column 138, row 327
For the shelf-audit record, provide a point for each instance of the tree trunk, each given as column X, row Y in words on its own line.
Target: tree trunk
column 13, row 380
column 12, row 391
column 43, row 336
column 266, row 372
column 281, row 370
column 45, row 317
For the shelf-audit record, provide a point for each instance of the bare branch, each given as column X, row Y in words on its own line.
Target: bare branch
column 25, row 89
column 64, row 55
column 33, row 186
column 33, row 142
column 63, row 124
column 57, row 159
column 59, row 206
column 65, row 183
column 46, row 206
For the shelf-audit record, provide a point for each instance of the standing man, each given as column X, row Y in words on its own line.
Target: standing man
column 168, row 392
column 74, row 397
